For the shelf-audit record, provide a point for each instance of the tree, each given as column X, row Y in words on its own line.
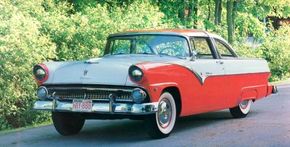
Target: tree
column 209, row 12
column 192, row 13
column 218, row 12
column 195, row 10
column 230, row 21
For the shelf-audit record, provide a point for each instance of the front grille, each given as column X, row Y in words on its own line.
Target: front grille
column 98, row 94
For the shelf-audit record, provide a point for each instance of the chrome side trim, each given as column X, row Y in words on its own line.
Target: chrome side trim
column 120, row 108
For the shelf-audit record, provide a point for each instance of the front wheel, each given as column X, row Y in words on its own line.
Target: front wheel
column 242, row 109
column 162, row 122
column 67, row 123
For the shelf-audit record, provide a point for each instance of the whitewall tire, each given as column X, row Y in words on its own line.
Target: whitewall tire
column 242, row 110
column 161, row 124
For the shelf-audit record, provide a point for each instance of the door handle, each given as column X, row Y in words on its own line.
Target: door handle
column 220, row 62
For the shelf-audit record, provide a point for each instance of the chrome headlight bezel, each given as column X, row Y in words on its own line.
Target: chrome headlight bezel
column 136, row 74
column 42, row 92
column 40, row 72
column 138, row 95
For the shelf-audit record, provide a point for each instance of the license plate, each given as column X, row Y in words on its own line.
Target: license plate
column 82, row 105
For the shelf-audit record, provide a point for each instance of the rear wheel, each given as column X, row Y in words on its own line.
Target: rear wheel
column 242, row 109
column 162, row 122
column 67, row 123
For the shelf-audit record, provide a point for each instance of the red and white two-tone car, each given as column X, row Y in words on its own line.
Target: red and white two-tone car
column 155, row 75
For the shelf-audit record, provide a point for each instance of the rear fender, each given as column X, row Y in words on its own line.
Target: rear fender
column 248, row 94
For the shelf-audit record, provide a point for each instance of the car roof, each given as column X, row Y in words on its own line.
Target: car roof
column 181, row 32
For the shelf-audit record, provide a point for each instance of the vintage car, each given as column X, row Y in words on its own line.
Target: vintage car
column 153, row 75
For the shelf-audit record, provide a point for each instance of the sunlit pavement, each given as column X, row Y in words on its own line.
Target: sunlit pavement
column 267, row 125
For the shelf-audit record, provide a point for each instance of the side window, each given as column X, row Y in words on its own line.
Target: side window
column 223, row 50
column 201, row 47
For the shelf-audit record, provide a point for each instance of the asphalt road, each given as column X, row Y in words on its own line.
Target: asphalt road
column 268, row 124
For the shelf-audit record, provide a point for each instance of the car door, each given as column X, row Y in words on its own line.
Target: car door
column 210, row 69
column 234, row 68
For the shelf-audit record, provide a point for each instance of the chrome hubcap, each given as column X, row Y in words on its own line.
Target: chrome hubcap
column 244, row 104
column 164, row 113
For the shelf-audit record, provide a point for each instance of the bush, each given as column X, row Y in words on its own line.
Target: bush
column 276, row 50
column 246, row 51
column 21, row 47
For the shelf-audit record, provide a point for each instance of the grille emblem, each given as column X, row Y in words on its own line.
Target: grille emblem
column 85, row 72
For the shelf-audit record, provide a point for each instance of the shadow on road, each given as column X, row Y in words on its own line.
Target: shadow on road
column 134, row 131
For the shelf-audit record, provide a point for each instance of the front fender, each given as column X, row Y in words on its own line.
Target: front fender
column 158, row 76
column 156, row 89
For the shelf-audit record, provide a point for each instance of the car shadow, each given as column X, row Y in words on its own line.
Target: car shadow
column 195, row 121
column 116, row 131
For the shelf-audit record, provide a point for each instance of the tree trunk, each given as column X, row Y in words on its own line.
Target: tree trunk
column 190, row 14
column 235, row 9
column 181, row 13
column 195, row 13
column 208, row 14
column 217, row 12
column 230, row 20
column 220, row 12
column 209, row 11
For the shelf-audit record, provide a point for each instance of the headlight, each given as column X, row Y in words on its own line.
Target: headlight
column 138, row 95
column 40, row 72
column 135, row 73
column 42, row 92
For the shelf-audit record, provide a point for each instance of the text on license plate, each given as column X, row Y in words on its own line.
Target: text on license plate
column 82, row 105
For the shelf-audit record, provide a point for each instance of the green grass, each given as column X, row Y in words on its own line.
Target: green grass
column 3, row 132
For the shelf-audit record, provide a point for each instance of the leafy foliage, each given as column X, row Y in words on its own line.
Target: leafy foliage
column 21, row 46
column 275, row 49
column 82, row 34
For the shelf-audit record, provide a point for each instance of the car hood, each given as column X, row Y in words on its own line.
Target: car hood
column 109, row 70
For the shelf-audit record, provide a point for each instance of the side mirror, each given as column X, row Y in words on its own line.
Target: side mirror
column 193, row 55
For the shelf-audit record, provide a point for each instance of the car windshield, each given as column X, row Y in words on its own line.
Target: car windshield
column 168, row 45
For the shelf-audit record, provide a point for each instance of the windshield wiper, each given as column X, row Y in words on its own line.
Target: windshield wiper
column 146, row 53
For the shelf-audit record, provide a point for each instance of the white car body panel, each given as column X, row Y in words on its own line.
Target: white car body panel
column 109, row 70
column 245, row 66
column 113, row 70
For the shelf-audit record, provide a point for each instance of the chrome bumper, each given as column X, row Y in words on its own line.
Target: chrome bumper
column 120, row 108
